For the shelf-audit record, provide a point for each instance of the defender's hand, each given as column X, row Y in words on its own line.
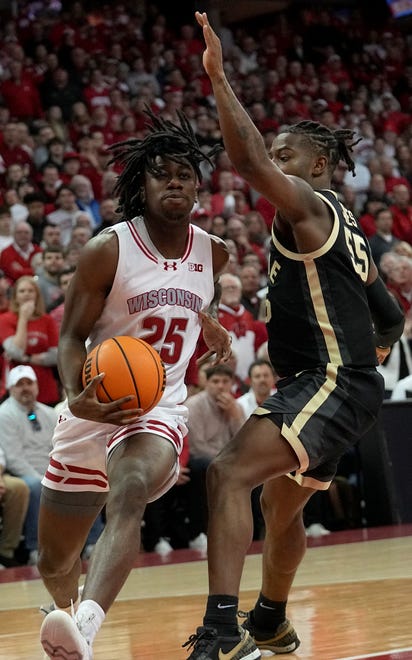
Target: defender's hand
column 382, row 353
column 217, row 340
column 212, row 56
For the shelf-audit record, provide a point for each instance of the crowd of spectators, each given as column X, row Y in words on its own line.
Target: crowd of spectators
column 75, row 81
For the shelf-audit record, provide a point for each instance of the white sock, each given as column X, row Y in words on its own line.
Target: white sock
column 89, row 617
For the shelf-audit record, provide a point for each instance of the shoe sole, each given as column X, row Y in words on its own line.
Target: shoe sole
column 58, row 638
column 273, row 644
column 277, row 650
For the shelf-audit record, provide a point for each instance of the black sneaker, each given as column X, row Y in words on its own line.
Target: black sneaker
column 207, row 645
column 283, row 640
column 9, row 562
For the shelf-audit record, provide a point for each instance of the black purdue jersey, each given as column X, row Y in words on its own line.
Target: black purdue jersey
column 317, row 310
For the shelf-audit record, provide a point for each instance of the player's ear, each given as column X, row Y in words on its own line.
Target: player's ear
column 320, row 165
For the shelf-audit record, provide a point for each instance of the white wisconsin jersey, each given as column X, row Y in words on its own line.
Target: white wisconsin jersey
column 158, row 299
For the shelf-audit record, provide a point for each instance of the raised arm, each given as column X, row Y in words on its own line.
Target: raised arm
column 244, row 144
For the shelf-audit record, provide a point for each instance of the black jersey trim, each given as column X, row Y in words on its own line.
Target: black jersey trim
column 308, row 256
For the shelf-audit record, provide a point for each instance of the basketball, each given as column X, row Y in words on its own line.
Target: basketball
column 131, row 366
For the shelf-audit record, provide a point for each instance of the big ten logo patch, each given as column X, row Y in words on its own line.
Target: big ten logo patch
column 195, row 268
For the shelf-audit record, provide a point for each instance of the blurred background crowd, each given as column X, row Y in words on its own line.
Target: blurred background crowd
column 75, row 78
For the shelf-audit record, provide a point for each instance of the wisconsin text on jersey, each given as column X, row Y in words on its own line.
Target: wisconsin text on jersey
column 162, row 297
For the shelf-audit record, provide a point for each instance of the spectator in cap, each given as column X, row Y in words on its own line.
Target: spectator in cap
column 26, row 429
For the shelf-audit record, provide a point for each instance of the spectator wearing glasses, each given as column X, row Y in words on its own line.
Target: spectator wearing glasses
column 26, row 429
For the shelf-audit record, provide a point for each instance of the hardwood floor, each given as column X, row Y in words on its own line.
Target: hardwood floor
column 351, row 600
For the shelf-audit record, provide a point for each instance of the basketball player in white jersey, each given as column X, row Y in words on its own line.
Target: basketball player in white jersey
column 153, row 276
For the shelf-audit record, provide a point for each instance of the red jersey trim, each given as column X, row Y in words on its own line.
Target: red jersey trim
column 140, row 243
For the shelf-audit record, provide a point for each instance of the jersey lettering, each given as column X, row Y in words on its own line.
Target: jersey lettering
column 274, row 271
column 162, row 297
column 358, row 253
column 348, row 216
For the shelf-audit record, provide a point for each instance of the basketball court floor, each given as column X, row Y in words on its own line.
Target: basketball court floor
column 351, row 601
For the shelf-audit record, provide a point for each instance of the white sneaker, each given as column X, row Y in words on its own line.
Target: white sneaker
column 316, row 530
column 87, row 552
column 199, row 543
column 163, row 547
column 33, row 558
column 61, row 638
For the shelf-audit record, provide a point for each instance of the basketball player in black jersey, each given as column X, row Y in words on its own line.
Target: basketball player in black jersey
column 330, row 319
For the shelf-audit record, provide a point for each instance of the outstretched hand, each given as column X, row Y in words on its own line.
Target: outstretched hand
column 382, row 353
column 86, row 405
column 212, row 56
column 217, row 340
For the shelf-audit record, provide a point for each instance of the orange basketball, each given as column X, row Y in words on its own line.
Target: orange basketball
column 131, row 366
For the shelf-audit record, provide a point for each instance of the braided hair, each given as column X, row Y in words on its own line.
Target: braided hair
column 336, row 145
column 175, row 142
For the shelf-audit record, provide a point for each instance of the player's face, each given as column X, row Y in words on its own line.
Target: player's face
column 171, row 192
column 292, row 155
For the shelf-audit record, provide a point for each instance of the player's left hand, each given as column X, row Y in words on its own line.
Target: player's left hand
column 217, row 340
column 212, row 56
column 382, row 353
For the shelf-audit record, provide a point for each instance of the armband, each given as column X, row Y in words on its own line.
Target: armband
column 387, row 314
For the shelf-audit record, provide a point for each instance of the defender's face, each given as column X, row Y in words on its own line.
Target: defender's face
column 172, row 191
column 292, row 155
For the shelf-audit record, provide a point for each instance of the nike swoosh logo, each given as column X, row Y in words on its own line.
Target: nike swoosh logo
column 255, row 653
column 266, row 607
column 224, row 607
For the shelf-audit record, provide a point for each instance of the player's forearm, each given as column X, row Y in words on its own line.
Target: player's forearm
column 243, row 142
column 71, row 357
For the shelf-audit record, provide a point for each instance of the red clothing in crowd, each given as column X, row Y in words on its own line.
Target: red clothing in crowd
column 402, row 223
column 14, row 155
column 14, row 264
column 367, row 222
column 267, row 211
column 22, row 98
column 42, row 334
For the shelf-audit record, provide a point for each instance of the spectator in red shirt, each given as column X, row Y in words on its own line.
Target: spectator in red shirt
column 16, row 259
column 97, row 93
column 402, row 213
column 29, row 336
column 20, row 94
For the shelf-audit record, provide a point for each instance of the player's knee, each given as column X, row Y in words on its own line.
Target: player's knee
column 220, row 473
column 279, row 517
column 129, row 494
column 54, row 564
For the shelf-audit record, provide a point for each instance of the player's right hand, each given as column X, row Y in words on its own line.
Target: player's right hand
column 86, row 405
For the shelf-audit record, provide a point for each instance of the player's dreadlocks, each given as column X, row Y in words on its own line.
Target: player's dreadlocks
column 175, row 142
column 337, row 144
